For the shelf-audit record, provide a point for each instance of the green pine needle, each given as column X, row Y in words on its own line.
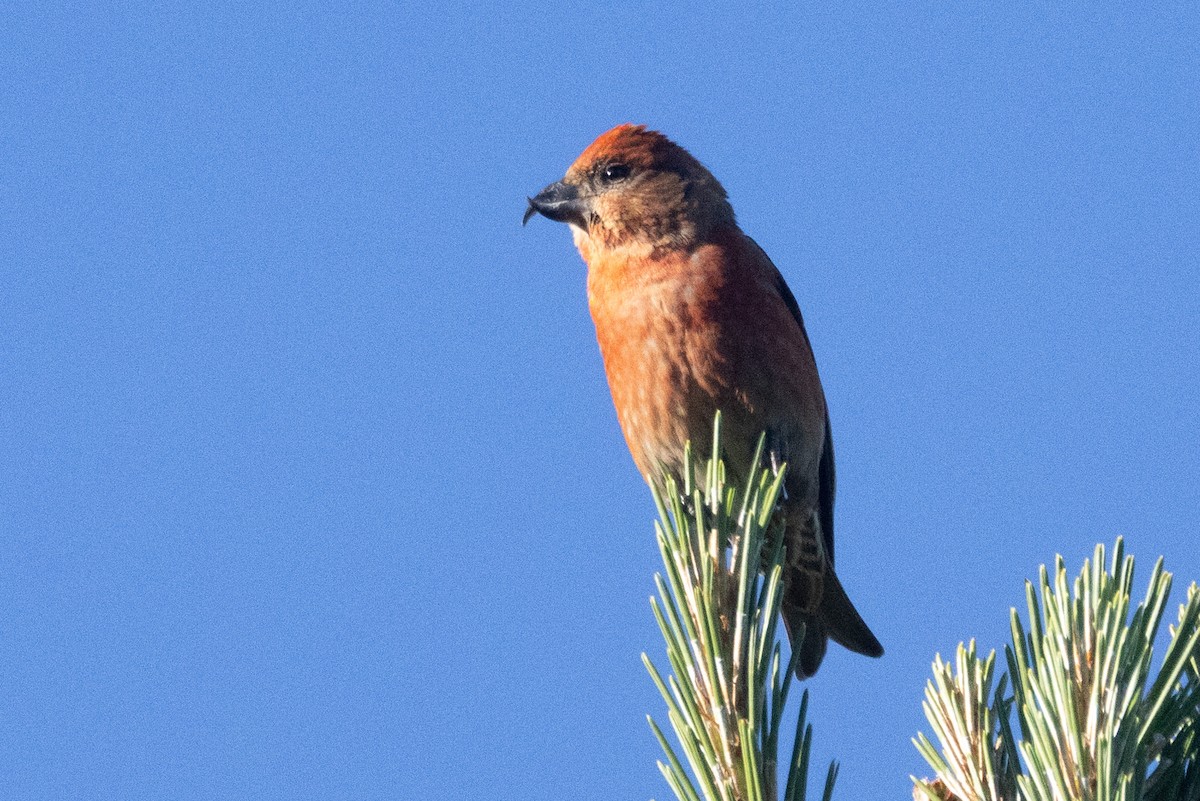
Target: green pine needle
column 1094, row 723
column 717, row 607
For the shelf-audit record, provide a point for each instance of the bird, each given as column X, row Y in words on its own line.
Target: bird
column 692, row 317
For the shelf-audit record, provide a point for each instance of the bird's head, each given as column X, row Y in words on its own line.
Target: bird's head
column 635, row 187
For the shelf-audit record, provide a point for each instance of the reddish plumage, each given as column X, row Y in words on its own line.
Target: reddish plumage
column 692, row 317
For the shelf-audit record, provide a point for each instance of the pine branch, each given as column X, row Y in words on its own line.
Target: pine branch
column 1093, row 721
column 718, row 607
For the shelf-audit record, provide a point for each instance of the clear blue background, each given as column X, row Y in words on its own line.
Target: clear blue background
column 312, row 486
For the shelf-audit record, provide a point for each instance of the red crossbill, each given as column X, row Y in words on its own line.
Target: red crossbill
column 692, row 317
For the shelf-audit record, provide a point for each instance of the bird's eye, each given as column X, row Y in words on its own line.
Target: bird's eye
column 614, row 172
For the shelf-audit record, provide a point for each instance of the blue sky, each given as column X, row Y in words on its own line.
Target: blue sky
column 313, row 487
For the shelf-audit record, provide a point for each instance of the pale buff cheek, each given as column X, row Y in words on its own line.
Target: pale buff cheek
column 583, row 242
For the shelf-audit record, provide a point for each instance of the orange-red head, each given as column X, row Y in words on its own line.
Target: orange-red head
column 635, row 187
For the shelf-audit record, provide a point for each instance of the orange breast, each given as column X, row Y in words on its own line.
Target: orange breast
column 687, row 334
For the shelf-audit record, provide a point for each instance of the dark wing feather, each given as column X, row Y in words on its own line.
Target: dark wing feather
column 828, row 488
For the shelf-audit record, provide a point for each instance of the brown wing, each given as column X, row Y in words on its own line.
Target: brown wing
column 827, row 475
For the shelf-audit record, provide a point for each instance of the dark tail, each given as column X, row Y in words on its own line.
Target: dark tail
column 812, row 650
column 843, row 622
column 836, row 619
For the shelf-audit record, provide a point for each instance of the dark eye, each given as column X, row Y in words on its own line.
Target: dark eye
column 614, row 172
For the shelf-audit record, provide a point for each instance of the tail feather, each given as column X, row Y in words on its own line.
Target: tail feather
column 843, row 622
column 835, row 618
column 806, row 633
column 812, row 649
